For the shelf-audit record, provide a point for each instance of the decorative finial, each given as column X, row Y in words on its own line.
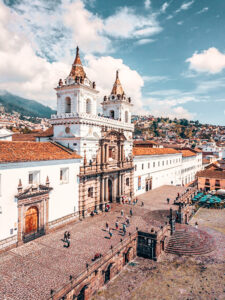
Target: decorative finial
column 47, row 181
column 20, row 187
column 77, row 50
column 85, row 158
column 117, row 74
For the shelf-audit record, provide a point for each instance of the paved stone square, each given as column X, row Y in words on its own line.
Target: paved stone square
column 32, row 270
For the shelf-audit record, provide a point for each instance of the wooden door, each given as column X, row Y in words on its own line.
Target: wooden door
column 31, row 220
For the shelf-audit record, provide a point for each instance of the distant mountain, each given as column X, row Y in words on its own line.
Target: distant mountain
column 24, row 106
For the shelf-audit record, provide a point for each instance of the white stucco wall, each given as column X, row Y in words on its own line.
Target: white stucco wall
column 63, row 198
column 164, row 170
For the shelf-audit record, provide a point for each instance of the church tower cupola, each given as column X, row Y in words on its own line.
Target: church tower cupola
column 117, row 105
column 76, row 94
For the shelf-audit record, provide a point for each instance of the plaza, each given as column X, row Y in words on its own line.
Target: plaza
column 33, row 269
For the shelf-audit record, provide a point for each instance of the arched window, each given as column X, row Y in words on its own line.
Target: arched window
column 112, row 114
column 88, row 106
column 127, row 181
column 126, row 116
column 67, row 105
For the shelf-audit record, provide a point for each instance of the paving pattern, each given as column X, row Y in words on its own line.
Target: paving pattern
column 32, row 270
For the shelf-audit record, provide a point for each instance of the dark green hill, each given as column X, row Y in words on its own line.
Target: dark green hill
column 24, row 106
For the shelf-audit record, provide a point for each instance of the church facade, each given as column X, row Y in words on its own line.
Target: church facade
column 105, row 142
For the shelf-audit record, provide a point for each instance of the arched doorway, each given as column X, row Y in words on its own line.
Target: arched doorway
column 81, row 295
column 110, row 190
column 127, row 256
column 31, row 220
column 107, row 274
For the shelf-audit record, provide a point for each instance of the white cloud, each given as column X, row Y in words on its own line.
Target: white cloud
column 205, row 9
column 87, row 28
column 168, row 108
column 125, row 23
column 144, row 41
column 180, row 23
column 147, row 4
column 155, row 78
column 103, row 71
column 185, row 6
column 164, row 7
column 211, row 61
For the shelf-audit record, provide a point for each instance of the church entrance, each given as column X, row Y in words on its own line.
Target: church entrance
column 110, row 196
column 31, row 220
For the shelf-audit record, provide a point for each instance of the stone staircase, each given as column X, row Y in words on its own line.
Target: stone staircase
column 188, row 240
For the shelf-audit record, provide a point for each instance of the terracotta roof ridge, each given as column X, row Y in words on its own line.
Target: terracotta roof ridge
column 63, row 147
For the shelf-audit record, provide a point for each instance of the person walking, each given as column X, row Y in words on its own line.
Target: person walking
column 124, row 229
column 110, row 233
column 131, row 212
column 168, row 200
column 117, row 225
column 122, row 213
column 127, row 221
column 68, row 235
column 106, row 226
column 129, row 200
column 65, row 235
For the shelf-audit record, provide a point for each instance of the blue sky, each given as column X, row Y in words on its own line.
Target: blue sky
column 171, row 54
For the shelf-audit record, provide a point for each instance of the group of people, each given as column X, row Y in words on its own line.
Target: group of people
column 129, row 201
column 66, row 239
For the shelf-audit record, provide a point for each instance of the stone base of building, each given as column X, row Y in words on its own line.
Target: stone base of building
column 8, row 243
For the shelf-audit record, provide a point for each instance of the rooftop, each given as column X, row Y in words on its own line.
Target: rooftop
column 33, row 151
column 138, row 151
column 211, row 174
column 187, row 153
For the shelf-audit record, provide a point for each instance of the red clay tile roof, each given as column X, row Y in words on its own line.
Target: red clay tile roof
column 211, row 174
column 187, row 153
column 145, row 143
column 137, row 151
column 46, row 133
column 24, row 137
column 33, row 151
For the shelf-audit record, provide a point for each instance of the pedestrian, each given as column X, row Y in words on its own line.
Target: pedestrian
column 65, row 235
column 131, row 212
column 122, row 213
column 122, row 200
column 110, row 233
column 129, row 200
column 124, row 229
column 196, row 225
column 106, row 226
column 68, row 235
column 117, row 225
column 168, row 200
column 142, row 204
column 136, row 200
column 127, row 221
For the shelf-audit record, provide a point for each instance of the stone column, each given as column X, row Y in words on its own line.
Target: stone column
column 106, row 190
column 122, row 183
column 102, row 155
column 102, row 191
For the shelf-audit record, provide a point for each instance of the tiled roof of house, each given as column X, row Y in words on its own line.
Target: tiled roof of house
column 212, row 174
column 137, row 151
column 19, row 137
column 138, row 142
column 34, row 151
column 46, row 133
column 187, row 153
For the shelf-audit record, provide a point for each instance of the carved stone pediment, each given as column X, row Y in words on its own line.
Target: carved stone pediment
column 33, row 191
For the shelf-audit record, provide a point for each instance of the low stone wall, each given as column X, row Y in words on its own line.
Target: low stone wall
column 99, row 272
column 63, row 221
column 9, row 243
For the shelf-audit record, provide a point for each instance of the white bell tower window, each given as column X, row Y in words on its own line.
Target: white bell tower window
column 88, row 106
column 67, row 105
column 126, row 116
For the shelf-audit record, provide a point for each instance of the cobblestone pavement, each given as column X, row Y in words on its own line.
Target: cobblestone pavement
column 30, row 271
column 173, row 277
